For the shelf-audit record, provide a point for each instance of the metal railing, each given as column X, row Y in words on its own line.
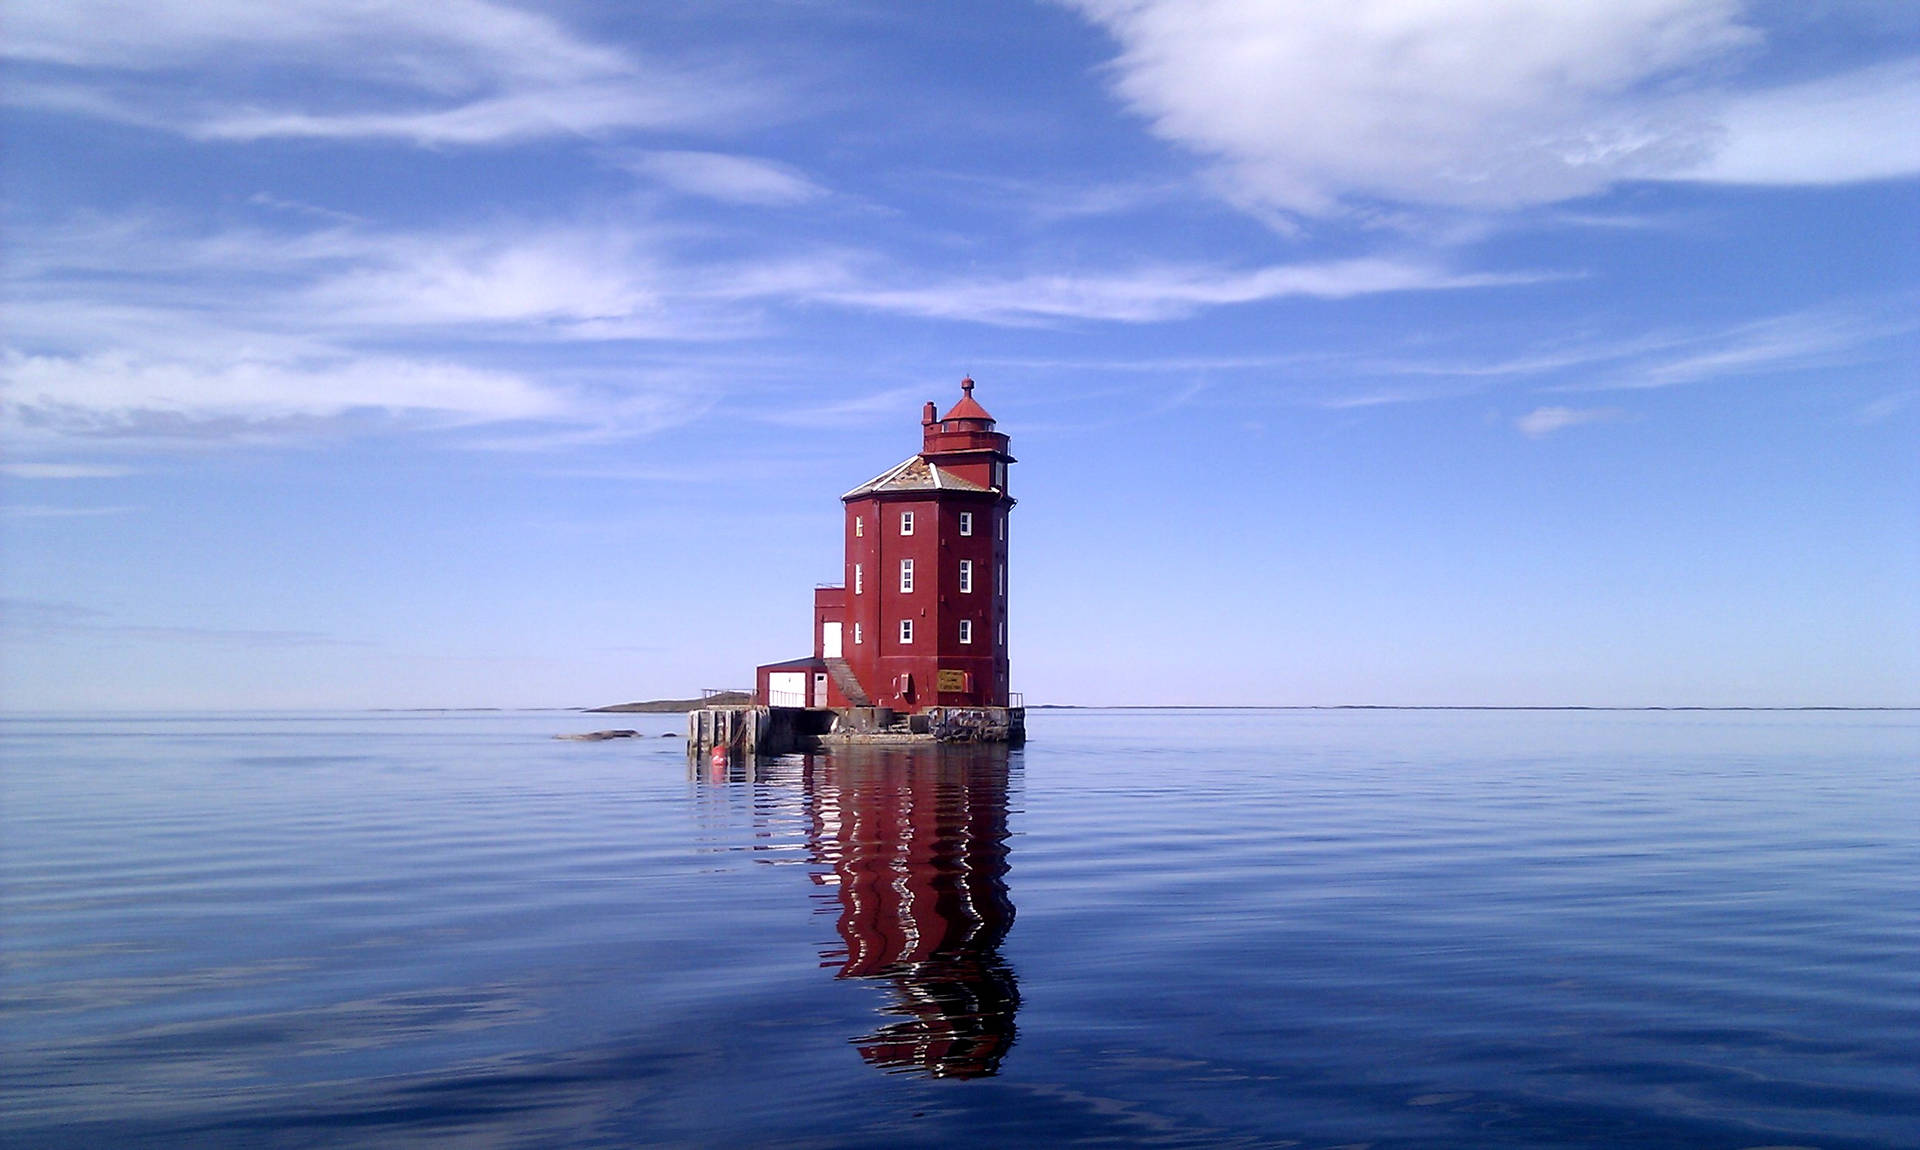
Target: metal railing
column 710, row 692
column 1016, row 699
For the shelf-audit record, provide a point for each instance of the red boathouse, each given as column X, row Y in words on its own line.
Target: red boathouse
column 920, row 620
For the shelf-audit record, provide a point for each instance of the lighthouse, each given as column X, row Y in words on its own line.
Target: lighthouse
column 919, row 621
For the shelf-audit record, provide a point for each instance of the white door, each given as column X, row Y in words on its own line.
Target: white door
column 830, row 640
column 787, row 689
column 819, row 690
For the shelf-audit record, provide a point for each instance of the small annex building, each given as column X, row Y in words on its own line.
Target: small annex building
column 919, row 620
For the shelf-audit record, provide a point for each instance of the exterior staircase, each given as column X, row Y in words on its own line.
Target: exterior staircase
column 844, row 679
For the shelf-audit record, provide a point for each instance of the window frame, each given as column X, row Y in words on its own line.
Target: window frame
column 906, row 523
column 966, row 576
column 966, row 523
column 906, row 632
column 859, row 580
column 906, row 576
column 966, row 631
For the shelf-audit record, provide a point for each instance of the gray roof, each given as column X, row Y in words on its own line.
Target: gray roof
column 915, row 474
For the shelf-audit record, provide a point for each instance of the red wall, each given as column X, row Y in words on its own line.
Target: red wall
column 935, row 605
column 830, row 606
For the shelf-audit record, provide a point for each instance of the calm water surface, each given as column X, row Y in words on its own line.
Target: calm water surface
column 1314, row 929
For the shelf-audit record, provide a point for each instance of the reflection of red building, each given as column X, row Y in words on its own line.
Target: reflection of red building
column 916, row 843
column 921, row 620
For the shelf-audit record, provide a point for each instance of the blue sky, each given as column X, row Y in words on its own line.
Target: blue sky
column 1394, row 352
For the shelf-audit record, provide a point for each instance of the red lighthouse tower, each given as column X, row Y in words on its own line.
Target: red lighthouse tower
column 921, row 619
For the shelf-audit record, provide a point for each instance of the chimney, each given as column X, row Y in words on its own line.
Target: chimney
column 927, row 416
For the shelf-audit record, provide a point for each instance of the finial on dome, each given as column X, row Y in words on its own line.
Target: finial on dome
column 966, row 385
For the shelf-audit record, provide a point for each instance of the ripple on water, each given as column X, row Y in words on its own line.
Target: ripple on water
column 1404, row 929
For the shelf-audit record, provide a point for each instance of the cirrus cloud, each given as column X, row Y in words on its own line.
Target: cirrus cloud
column 1544, row 421
column 455, row 72
column 64, row 470
column 728, row 178
column 118, row 394
column 1154, row 294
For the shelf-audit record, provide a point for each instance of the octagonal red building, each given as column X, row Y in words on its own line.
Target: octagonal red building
column 920, row 620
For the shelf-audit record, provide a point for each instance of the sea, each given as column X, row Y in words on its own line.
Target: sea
column 1177, row 928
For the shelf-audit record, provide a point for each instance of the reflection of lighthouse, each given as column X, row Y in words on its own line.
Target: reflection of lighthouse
column 916, row 845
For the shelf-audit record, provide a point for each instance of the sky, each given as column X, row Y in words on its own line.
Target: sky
column 1395, row 352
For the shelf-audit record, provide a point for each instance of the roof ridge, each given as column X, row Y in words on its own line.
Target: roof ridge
column 889, row 473
column 903, row 477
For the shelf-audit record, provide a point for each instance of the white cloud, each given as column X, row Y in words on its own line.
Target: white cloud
column 282, row 295
column 43, row 511
column 63, row 470
column 1823, row 337
column 1859, row 126
column 117, row 393
column 1542, row 421
column 1887, row 406
column 451, row 72
column 732, row 179
column 546, row 110
column 556, row 276
column 164, row 34
column 134, row 328
column 269, row 200
column 1156, row 294
column 1309, row 106
column 1796, row 342
column 137, row 328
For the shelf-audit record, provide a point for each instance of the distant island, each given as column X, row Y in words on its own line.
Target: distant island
column 676, row 706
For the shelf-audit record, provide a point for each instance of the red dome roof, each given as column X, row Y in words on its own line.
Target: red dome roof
column 967, row 408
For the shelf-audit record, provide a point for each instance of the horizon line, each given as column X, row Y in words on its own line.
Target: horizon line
column 10, row 713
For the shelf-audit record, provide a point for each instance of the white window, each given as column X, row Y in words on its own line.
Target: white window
column 906, row 523
column 906, row 630
column 857, row 640
column 859, row 526
column 1001, row 571
column 906, row 575
column 999, row 474
column 966, row 630
column 1003, row 529
column 1003, row 634
column 858, row 582
column 966, row 523
column 966, row 575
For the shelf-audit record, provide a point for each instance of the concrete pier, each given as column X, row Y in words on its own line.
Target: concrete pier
column 769, row 731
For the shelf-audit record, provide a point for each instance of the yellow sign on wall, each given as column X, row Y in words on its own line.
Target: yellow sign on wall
column 951, row 681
